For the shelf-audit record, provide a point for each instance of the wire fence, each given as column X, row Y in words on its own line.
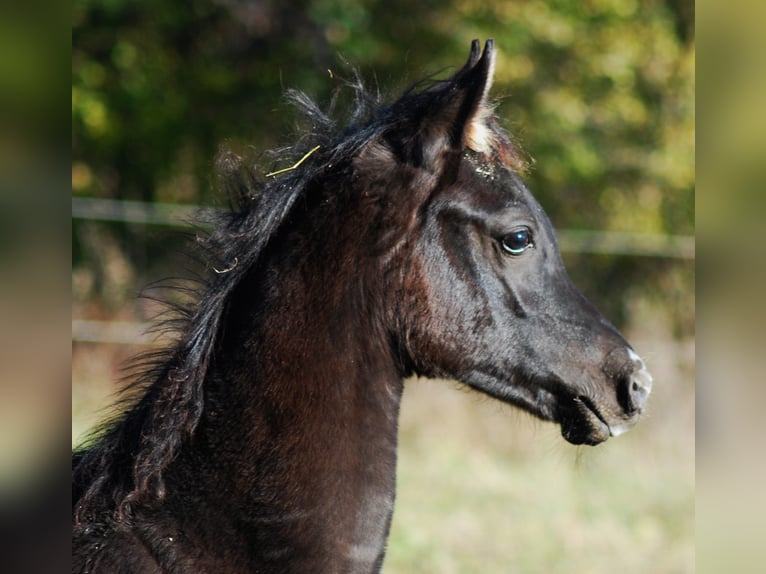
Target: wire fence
column 680, row 247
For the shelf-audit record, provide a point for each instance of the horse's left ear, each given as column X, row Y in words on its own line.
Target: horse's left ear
column 467, row 109
column 431, row 127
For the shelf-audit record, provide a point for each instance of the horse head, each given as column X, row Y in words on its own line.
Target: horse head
column 480, row 289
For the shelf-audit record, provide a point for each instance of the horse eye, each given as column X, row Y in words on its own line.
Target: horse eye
column 517, row 241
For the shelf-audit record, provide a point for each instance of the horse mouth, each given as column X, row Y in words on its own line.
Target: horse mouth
column 582, row 423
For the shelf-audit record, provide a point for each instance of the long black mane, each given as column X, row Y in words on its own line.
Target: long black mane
column 125, row 461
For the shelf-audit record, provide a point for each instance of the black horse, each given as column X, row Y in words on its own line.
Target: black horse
column 406, row 243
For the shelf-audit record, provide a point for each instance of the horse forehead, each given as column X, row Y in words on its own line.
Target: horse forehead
column 493, row 186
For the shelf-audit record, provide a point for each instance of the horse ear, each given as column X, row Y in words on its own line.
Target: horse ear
column 469, row 106
column 435, row 124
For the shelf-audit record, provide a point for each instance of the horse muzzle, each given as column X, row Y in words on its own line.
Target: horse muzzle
column 592, row 419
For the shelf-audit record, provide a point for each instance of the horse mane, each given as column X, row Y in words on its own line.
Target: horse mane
column 122, row 463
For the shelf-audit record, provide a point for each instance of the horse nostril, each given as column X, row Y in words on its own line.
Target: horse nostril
column 633, row 382
column 639, row 386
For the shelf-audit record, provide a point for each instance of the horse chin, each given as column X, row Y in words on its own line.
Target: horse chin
column 581, row 423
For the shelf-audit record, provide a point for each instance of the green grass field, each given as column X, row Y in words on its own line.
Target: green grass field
column 485, row 488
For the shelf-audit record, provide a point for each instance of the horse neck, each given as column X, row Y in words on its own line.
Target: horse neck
column 307, row 385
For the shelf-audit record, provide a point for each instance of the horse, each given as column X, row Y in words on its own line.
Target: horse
column 401, row 242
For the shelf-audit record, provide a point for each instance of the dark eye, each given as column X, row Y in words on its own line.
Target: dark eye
column 517, row 241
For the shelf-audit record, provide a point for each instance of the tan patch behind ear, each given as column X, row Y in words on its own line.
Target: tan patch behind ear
column 479, row 137
column 484, row 136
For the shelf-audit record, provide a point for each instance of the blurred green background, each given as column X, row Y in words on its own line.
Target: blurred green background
column 599, row 92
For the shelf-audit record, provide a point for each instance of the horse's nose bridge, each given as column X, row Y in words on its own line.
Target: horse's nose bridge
column 581, row 310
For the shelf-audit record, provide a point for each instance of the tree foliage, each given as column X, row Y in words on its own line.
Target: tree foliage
column 600, row 93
